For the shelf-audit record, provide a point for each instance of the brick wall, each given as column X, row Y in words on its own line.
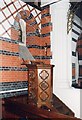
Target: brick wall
column 46, row 27
column 79, row 50
column 13, row 74
column 76, row 31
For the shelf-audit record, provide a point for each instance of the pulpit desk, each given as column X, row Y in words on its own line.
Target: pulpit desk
column 40, row 82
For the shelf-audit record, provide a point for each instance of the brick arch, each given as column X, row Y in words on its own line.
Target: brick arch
column 36, row 42
column 28, row 17
column 33, row 37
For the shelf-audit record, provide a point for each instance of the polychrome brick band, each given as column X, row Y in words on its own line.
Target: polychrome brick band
column 13, row 69
column 37, row 46
column 46, row 34
column 5, row 86
column 44, row 15
column 42, row 57
column 46, row 24
column 9, row 40
column 11, row 94
column 31, row 34
column 3, row 52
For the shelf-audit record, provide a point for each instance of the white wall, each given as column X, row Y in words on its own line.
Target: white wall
column 62, row 57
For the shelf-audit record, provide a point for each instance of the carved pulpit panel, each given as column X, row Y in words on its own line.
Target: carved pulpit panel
column 40, row 82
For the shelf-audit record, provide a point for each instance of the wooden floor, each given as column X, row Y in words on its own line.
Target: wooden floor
column 19, row 109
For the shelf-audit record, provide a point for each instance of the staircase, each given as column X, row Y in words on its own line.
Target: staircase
column 61, row 107
column 17, row 107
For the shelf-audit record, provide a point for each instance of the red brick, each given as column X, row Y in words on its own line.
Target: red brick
column 14, row 34
column 46, row 19
column 13, row 76
column 9, row 61
column 9, row 46
column 46, row 10
column 46, row 29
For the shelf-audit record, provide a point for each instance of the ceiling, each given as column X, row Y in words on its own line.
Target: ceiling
column 40, row 3
column 77, row 6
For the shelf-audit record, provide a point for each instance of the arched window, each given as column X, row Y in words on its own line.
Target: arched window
column 22, row 30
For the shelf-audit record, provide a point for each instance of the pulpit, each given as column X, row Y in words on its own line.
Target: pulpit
column 40, row 82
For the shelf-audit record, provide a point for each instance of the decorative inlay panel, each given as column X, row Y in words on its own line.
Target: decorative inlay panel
column 44, row 96
column 32, row 94
column 32, row 85
column 43, row 85
column 44, row 74
column 32, row 74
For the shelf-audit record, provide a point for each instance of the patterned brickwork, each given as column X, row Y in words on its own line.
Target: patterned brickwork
column 34, row 37
column 10, row 65
column 12, row 73
column 5, row 86
column 46, row 28
column 14, row 93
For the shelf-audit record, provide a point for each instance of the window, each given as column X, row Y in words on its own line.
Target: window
column 22, row 32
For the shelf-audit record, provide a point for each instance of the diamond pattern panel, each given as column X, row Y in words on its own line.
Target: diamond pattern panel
column 44, row 96
column 44, row 75
column 44, row 85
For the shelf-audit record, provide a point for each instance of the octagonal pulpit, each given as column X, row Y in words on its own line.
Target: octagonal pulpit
column 40, row 82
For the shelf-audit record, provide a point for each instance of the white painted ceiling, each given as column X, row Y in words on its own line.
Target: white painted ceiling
column 43, row 2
